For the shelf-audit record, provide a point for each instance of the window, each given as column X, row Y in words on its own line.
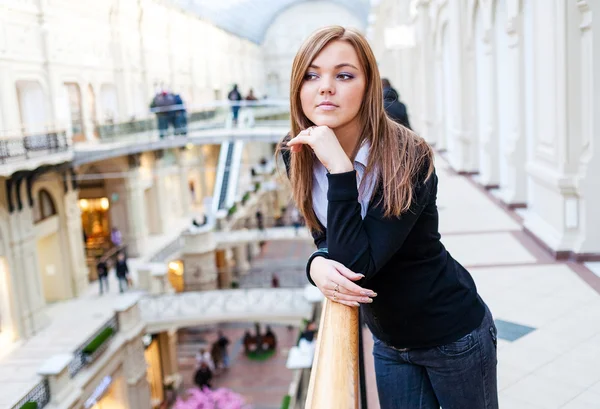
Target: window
column 44, row 206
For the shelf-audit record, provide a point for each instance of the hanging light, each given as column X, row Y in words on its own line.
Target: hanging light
column 84, row 204
column 104, row 203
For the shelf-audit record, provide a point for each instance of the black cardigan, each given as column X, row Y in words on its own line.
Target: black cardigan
column 424, row 297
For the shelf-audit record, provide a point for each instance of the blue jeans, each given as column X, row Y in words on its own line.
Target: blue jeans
column 123, row 284
column 103, row 280
column 458, row 375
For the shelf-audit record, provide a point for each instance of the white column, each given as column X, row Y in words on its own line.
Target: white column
column 79, row 270
column 159, row 213
column 426, row 73
column 457, row 84
column 489, row 173
column 134, row 363
column 185, row 163
column 563, row 168
column 588, row 111
column 513, row 180
column 26, row 274
column 136, row 211
column 242, row 265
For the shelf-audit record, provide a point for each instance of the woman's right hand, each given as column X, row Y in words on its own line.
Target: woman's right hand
column 336, row 282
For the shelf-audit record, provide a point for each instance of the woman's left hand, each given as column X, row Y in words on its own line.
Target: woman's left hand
column 325, row 145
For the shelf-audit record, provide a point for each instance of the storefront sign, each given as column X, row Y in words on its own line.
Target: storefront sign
column 98, row 392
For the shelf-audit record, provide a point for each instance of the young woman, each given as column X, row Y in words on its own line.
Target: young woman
column 367, row 189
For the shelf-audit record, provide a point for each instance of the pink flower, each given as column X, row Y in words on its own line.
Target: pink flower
column 206, row 398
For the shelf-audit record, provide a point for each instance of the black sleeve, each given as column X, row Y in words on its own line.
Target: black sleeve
column 319, row 237
column 365, row 246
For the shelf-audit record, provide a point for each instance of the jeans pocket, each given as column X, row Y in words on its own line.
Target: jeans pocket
column 459, row 347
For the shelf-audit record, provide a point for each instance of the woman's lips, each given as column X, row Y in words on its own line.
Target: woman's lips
column 327, row 106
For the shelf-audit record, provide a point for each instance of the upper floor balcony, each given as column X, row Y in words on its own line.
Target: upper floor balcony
column 161, row 128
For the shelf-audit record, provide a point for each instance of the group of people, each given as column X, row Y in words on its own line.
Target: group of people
column 236, row 97
column 170, row 111
column 259, row 342
column 104, row 263
column 209, row 363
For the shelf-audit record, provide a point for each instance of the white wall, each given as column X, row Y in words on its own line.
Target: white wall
column 122, row 47
column 522, row 111
column 289, row 30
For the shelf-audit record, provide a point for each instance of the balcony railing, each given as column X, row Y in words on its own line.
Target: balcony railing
column 93, row 347
column 334, row 379
column 29, row 145
column 37, row 398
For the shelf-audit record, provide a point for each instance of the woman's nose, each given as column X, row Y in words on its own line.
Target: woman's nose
column 326, row 87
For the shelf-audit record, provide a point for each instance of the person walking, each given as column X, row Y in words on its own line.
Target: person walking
column 115, row 237
column 102, row 270
column 367, row 189
column 223, row 343
column 235, row 97
column 395, row 108
column 122, row 271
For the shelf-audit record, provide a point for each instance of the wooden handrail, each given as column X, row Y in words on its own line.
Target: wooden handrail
column 334, row 376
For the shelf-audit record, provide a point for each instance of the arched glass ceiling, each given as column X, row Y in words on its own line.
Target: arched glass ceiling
column 251, row 18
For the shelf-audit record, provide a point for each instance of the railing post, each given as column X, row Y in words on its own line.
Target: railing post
column 334, row 377
column 361, row 364
column 56, row 370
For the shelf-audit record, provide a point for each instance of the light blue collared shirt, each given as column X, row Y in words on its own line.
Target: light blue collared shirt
column 321, row 185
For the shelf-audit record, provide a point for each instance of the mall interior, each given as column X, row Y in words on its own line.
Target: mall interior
column 122, row 149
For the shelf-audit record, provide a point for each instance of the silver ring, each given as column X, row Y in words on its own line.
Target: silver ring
column 334, row 297
column 337, row 288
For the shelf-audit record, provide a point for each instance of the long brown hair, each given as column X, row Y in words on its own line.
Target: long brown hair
column 396, row 153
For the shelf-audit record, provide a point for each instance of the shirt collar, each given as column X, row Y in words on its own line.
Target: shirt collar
column 362, row 156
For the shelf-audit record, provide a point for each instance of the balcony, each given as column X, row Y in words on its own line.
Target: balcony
column 266, row 121
column 31, row 151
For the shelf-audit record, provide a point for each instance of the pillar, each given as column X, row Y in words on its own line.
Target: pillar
column 563, row 166
column 240, row 253
column 457, row 84
column 79, row 270
column 512, row 148
column 136, row 210
column 200, row 268
column 185, row 162
column 587, row 241
column 26, row 274
column 167, row 342
column 134, row 362
column 489, row 171
column 158, row 210
column 425, row 74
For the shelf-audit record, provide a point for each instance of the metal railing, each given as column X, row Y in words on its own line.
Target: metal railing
column 24, row 147
column 198, row 307
column 40, row 395
column 81, row 359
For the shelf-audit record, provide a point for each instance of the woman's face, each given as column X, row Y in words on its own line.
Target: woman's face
column 334, row 86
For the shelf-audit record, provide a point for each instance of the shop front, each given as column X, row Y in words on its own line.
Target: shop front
column 107, row 392
column 95, row 222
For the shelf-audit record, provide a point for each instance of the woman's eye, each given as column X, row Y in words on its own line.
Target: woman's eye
column 310, row 76
column 344, row 76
